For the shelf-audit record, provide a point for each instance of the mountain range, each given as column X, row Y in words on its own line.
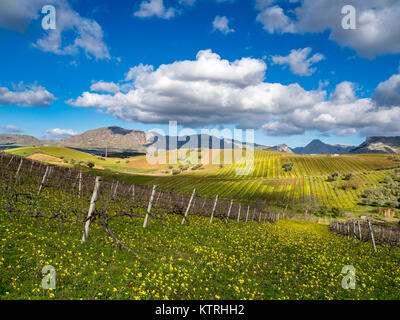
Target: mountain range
column 119, row 140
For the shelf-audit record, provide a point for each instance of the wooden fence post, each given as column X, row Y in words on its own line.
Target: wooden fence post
column 12, row 158
column 372, row 234
column 146, row 218
column 158, row 197
column 215, row 206
column 91, row 209
column 115, row 190
column 229, row 211
column 354, row 230
column 80, row 185
column 43, row 180
column 188, row 207
column 238, row 215
column 247, row 214
column 359, row 230
column 19, row 168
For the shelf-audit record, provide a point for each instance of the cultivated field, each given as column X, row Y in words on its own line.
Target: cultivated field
column 42, row 210
column 306, row 184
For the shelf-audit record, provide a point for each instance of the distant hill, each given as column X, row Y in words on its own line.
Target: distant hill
column 281, row 148
column 197, row 141
column 318, row 147
column 379, row 145
column 18, row 140
column 118, row 140
column 112, row 138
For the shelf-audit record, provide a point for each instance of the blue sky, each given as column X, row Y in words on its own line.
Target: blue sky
column 297, row 76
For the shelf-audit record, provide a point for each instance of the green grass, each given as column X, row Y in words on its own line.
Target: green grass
column 64, row 153
column 52, row 151
column 286, row 260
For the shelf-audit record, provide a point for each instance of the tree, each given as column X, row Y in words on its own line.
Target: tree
column 334, row 176
column 386, row 194
column 350, row 184
column 347, row 176
column 90, row 164
column 288, row 166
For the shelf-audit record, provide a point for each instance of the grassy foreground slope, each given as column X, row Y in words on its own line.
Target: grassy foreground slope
column 286, row 260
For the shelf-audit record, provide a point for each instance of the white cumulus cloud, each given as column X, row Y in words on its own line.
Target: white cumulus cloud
column 151, row 8
column 213, row 91
column 299, row 61
column 275, row 20
column 377, row 23
column 87, row 35
column 221, row 24
column 11, row 129
column 26, row 96
column 103, row 86
column 388, row 92
column 58, row 133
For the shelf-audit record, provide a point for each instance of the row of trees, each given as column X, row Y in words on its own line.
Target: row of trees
column 386, row 194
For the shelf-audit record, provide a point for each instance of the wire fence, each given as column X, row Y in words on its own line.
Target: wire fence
column 70, row 195
column 367, row 231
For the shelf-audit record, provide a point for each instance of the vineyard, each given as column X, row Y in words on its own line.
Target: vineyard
column 41, row 191
column 306, row 182
column 44, row 212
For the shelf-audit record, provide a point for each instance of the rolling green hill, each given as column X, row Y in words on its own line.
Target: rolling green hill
column 307, row 183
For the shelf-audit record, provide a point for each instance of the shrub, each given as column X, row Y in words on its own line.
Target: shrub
column 347, row 176
column 351, row 184
column 90, row 164
column 197, row 166
column 323, row 210
column 337, row 212
column 176, row 171
column 288, row 166
column 334, row 176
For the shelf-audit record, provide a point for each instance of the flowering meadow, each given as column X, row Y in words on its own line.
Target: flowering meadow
column 288, row 259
